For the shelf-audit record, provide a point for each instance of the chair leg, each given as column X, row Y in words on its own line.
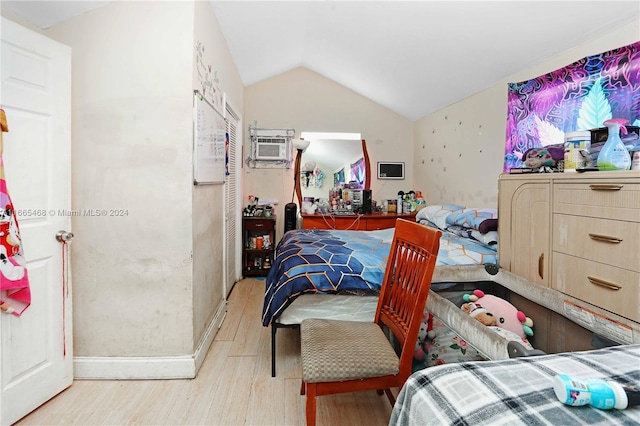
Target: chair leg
column 311, row 404
column 303, row 388
column 392, row 399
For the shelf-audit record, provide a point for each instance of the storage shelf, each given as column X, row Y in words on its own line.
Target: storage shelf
column 254, row 259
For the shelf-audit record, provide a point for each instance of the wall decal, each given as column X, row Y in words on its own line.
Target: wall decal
column 209, row 86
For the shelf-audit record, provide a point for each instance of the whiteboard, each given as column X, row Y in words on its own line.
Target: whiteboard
column 209, row 142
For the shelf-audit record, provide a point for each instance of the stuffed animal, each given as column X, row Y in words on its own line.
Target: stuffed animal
column 477, row 311
column 425, row 333
column 506, row 315
column 536, row 158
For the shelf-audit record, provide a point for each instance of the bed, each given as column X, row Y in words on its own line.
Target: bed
column 515, row 391
column 316, row 272
column 353, row 262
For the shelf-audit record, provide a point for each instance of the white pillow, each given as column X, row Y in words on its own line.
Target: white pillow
column 437, row 214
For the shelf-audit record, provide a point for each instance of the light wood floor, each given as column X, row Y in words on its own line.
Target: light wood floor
column 233, row 387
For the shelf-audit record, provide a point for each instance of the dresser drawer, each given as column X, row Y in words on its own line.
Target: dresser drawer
column 375, row 224
column 349, row 222
column 614, row 289
column 315, row 222
column 613, row 242
column 259, row 224
column 609, row 199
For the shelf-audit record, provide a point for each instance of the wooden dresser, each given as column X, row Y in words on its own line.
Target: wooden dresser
column 361, row 222
column 578, row 233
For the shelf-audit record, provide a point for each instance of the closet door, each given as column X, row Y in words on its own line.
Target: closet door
column 233, row 202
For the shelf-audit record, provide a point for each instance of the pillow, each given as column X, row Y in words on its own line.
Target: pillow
column 473, row 218
column 437, row 214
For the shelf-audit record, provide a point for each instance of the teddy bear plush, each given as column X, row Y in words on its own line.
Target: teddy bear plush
column 438, row 344
column 480, row 313
column 448, row 346
column 506, row 315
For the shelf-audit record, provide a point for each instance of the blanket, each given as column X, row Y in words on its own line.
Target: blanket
column 325, row 261
column 347, row 262
column 517, row 391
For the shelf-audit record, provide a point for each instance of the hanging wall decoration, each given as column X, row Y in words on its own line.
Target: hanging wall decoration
column 209, row 83
column 15, row 295
column 580, row 96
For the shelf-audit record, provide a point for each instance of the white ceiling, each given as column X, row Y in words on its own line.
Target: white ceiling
column 412, row 57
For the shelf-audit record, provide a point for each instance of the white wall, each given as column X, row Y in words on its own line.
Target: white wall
column 150, row 283
column 459, row 150
column 307, row 102
column 131, row 149
column 208, row 218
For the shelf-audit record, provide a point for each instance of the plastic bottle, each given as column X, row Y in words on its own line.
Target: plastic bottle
column 400, row 202
column 614, row 155
column 598, row 393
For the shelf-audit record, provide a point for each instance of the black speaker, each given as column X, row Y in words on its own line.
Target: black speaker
column 290, row 216
column 366, row 201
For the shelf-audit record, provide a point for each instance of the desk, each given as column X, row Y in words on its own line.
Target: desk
column 358, row 222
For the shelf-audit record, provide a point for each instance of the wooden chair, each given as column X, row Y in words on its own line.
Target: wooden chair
column 349, row 356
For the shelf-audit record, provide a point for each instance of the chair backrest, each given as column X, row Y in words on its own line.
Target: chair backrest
column 406, row 284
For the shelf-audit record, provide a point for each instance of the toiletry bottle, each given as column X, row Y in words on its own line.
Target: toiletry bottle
column 400, row 202
column 614, row 155
column 598, row 393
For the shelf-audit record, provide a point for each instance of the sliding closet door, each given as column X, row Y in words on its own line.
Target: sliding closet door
column 233, row 202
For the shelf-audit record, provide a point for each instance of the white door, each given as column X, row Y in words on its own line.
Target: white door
column 232, row 203
column 36, row 348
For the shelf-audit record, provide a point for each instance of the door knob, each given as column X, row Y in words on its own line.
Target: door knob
column 64, row 236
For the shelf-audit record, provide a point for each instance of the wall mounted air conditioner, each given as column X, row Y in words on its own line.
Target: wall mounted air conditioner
column 271, row 148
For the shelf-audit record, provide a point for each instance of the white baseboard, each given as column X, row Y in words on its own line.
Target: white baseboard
column 145, row 368
column 209, row 335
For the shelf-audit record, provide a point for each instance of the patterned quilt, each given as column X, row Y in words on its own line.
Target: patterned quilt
column 331, row 261
column 517, row 391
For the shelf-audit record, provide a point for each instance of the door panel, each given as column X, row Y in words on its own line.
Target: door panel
column 36, row 348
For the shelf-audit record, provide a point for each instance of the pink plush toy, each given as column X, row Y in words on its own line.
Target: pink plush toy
column 507, row 315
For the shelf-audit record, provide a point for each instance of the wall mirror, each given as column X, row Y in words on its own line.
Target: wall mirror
column 331, row 158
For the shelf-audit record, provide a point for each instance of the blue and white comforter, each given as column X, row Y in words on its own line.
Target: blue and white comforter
column 332, row 262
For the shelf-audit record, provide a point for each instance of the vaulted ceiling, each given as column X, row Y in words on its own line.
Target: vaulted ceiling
column 412, row 57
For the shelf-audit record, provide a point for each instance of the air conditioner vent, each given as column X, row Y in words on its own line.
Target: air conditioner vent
column 273, row 140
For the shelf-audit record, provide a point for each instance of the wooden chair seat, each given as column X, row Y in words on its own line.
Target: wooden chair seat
column 329, row 355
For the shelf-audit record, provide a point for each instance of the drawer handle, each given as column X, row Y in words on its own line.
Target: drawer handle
column 541, row 265
column 258, row 225
column 603, row 283
column 605, row 187
column 605, row 238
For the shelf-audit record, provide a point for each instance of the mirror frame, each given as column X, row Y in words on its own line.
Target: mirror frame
column 296, row 171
